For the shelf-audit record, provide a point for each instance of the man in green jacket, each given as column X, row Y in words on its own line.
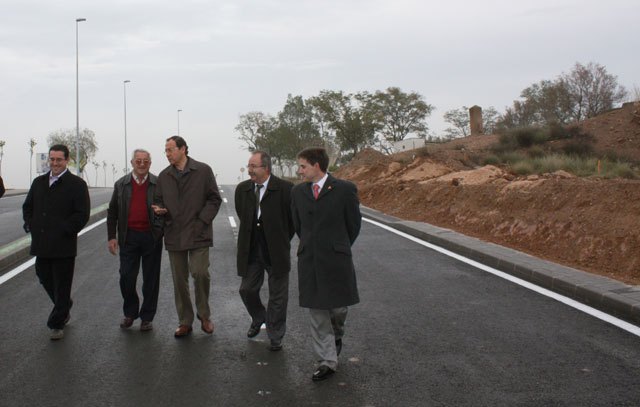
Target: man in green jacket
column 187, row 197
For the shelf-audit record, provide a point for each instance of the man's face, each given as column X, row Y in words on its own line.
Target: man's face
column 57, row 162
column 174, row 154
column 141, row 163
column 308, row 172
column 257, row 172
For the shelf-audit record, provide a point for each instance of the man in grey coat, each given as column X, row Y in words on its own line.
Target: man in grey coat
column 263, row 205
column 326, row 216
column 187, row 197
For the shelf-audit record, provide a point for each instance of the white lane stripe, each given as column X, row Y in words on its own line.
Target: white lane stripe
column 543, row 291
column 224, row 200
column 9, row 275
column 232, row 221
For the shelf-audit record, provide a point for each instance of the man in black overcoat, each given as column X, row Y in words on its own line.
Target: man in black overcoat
column 56, row 209
column 263, row 205
column 326, row 216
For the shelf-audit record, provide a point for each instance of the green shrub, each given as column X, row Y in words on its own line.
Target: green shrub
column 491, row 160
column 619, row 170
column 422, row 152
column 556, row 131
column 536, row 152
column 550, row 163
column 581, row 148
column 523, row 168
column 525, row 136
column 512, row 157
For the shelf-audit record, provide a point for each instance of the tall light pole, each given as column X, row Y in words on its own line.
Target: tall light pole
column 126, row 166
column 179, row 110
column 78, row 20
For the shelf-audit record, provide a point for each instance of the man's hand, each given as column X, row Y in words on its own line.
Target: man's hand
column 159, row 210
column 26, row 228
column 113, row 246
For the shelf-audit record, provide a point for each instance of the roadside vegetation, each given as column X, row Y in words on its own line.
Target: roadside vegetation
column 539, row 150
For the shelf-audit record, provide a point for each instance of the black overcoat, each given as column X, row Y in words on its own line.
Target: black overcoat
column 276, row 220
column 327, row 227
column 55, row 215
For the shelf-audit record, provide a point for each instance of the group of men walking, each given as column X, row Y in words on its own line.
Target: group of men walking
column 178, row 207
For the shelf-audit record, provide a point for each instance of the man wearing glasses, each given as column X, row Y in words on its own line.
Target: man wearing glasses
column 56, row 209
column 139, row 237
column 263, row 205
column 187, row 197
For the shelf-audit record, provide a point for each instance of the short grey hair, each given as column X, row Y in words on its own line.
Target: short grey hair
column 140, row 150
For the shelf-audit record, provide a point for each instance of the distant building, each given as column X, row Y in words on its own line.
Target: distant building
column 408, row 144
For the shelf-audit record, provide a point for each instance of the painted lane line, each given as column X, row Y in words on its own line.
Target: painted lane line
column 232, row 221
column 9, row 275
column 225, row 200
column 543, row 291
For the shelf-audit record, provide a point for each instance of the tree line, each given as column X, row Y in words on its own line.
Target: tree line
column 345, row 123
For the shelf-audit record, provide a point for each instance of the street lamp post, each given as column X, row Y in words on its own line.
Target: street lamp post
column 78, row 20
column 126, row 166
column 179, row 110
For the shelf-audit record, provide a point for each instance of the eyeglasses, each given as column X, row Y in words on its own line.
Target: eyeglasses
column 253, row 167
column 140, row 162
column 56, row 160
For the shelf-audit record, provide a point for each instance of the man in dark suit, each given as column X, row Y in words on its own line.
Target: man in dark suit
column 326, row 216
column 57, row 207
column 263, row 205
column 1, row 187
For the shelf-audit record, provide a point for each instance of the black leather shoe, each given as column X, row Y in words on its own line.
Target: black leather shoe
column 322, row 373
column 126, row 323
column 254, row 329
column 275, row 345
column 338, row 346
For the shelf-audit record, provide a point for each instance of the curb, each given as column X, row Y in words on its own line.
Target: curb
column 602, row 293
column 18, row 251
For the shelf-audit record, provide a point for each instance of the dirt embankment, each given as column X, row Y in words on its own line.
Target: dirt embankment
column 588, row 223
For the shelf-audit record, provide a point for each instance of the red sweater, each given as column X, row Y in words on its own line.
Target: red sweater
column 138, row 213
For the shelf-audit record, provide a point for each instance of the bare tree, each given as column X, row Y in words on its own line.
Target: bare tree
column 592, row 90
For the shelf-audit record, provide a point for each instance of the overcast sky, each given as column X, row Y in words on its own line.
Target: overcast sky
column 216, row 60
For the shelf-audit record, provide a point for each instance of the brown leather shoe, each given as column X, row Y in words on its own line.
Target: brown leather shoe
column 183, row 330
column 126, row 323
column 207, row 325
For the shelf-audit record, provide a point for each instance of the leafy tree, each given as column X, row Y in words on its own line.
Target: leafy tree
column 252, row 127
column 586, row 91
column 353, row 126
column 398, row 114
column 88, row 144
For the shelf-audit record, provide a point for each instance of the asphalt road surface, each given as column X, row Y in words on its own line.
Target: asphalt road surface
column 11, row 213
column 429, row 331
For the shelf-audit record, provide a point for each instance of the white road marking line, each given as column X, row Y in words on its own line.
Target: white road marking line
column 224, row 200
column 543, row 291
column 9, row 275
column 232, row 221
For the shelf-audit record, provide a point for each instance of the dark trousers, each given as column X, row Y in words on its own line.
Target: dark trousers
column 140, row 247
column 56, row 276
column 275, row 315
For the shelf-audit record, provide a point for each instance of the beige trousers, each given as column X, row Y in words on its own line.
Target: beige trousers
column 196, row 263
